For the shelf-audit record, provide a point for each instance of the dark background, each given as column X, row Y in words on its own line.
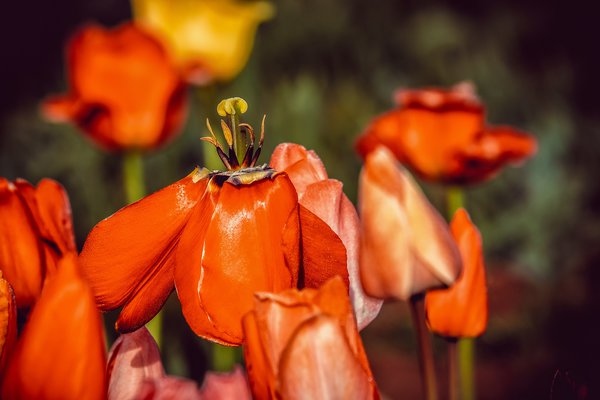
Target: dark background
column 320, row 70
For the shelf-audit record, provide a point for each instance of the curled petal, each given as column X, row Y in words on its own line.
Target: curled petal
column 133, row 358
column 128, row 258
column 462, row 310
column 406, row 247
column 65, row 363
column 303, row 166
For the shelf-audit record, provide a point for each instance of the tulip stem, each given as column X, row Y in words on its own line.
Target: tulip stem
column 135, row 189
column 466, row 364
column 455, row 199
column 417, row 308
column 223, row 357
column 453, row 375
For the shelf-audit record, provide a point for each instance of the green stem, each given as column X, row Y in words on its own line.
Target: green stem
column 453, row 374
column 135, row 189
column 223, row 357
column 455, row 199
column 466, row 367
column 417, row 308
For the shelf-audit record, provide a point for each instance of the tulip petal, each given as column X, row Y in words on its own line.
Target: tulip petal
column 323, row 252
column 462, row 309
column 406, row 247
column 21, row 251
column 8, row 323
column 128, row 258
column 65, row 363
column 319, row 364
column 302, row 166
column 133, row 358
column 243, row 253
column 230, row 385
column 169, row 388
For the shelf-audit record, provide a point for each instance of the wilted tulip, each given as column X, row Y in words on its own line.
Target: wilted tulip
column 461, row 311
column 211, row 39
column 35, row 231
column 135, row 371
column 442, row 135
column 406, row 247
column 326, row 199
column 60, row 354
column 221, row 236
column 305, row 345
column 125, row 92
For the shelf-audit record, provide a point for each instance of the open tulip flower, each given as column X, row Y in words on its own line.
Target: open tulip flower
column 461, row 311
column 8, row 323
column 325, row 198
column 125, row 92
column 35, row 231
column 217, row 236
column 442, row 135
column 211, row 39
column 60, row 353
column 135, row 371
column 406, row 247
column 305, row 345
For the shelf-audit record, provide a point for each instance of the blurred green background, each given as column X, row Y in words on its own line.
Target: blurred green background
column 321, row 69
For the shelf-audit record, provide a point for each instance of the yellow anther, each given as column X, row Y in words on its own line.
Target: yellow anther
column 232, row 106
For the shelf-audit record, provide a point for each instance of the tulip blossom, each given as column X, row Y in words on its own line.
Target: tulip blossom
column 461, row 311
column 210, row 39
column 35, row 231
column 326, row 199
column 218, row 237
column 8, row 323
column 442, row 135
column 406, row 247
column 125, row 92
column 305, row 345
column 135, row 371
column 60, row 353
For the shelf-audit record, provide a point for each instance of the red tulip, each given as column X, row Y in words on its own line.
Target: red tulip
column 406, row 247
column 35, row 231
column 441, row 134
column 461, row 310
column 8, row 323
column 326, row 199
column 60, row 354
column 126, row 93
column 305, row 345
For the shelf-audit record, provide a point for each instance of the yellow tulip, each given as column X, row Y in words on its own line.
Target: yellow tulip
column 210, row 39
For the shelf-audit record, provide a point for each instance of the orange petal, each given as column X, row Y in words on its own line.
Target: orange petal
column 65, row 363
column 133, row 358
column 61, row 108
column 461, row 310
column 323, row 253
column 319, row 364
column 406, row 247
column 461, row 96
column 55, row 215
column 21, row 251
column 8, row 323
column 128, row 257
column 242, row 252
column 302, row 166
column 230, row 385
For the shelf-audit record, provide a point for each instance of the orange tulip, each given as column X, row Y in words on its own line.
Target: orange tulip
column 60, row 354
column 461, row 311
column 406, row 247
column 326, row 199
column 125, row 91
column 8, row 323
column 305, row 344
column 35, row 231
column 442, row 136
column 222, row 236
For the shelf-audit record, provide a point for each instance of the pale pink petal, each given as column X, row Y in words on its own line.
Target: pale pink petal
column 169, row 388
column 228, row 385
column 302, row 166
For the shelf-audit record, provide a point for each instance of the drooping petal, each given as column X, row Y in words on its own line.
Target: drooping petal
column 304, row 167
column 462, row 310
column 242, row 252
column 319, row 364
column 229, row 385
column 133, row 358
column 128, row 258
column 60, row 354
column 8, row 323
column 21, row 251
column 406, row 247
